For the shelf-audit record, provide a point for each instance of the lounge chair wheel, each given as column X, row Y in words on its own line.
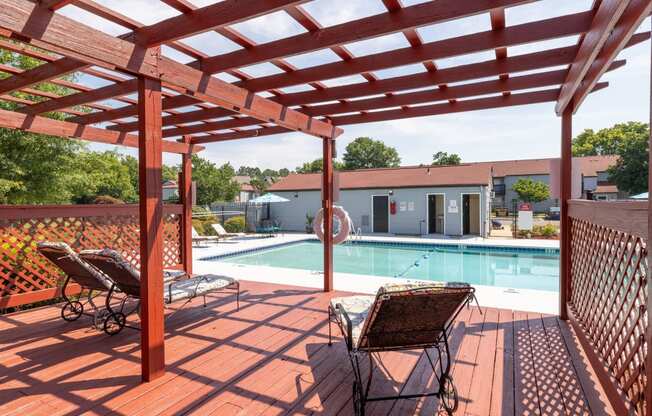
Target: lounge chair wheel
column 448, row 394
column 114, row 323
column 71, row 311
column 358, row 403
column 99, row 318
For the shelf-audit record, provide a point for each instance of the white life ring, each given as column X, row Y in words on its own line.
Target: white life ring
column 345, row 224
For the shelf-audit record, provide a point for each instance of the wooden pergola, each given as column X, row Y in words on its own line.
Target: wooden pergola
column 221, row 111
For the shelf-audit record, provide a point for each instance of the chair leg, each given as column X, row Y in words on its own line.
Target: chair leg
column 237, row 296
column 330, row 336
column 204, row 300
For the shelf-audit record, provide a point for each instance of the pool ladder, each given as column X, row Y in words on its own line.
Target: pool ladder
column 355, row 235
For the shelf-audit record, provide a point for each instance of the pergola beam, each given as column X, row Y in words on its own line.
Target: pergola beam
column 65, row 36
column 353, row 31
column 80, row 98
column 51, row 127
column 605, row 19
column 41, row 73
column 545, row 79
column 210, row 17
column 511, row 36
column 55, row 4
column 621, row 36
column 500, row 101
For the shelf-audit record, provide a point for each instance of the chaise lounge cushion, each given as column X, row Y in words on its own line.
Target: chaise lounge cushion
column 62, row 255
column 196, row 286
column 357, row 308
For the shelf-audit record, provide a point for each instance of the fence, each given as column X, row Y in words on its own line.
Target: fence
column 609, row 295
column 27, row 277
column 253, row 213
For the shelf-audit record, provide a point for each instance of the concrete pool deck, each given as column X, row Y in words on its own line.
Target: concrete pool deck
column 489, row 296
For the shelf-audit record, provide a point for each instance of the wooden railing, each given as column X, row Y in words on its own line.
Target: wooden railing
column 608, row 295
column 27, row 277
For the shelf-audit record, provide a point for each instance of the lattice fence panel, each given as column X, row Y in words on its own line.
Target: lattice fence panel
column 608, row 298
column 23, row 270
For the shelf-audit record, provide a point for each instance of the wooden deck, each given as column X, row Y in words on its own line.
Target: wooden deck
column 272, row 358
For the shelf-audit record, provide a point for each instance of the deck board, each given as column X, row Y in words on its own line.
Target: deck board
column 272, row 358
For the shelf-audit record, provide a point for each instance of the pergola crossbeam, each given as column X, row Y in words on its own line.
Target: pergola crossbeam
column 605, row 19
column 356, row 30
column 51, row 127
column 620, row 37
column 65, row 36
column 39, row 74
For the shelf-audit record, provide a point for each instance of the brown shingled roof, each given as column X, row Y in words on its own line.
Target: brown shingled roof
column 478, row 173
column 405, row 177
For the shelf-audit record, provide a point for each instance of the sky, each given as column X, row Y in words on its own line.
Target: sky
column 531, row 131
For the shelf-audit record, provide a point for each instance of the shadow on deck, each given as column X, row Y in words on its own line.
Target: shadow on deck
column 272, row 357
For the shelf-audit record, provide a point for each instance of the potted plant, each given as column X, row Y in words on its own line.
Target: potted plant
column 309, row 220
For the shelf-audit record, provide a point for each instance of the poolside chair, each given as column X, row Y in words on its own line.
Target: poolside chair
column 197, row 238
column 399, row 317
column 88, row 277
column 126, row 279
column 222, row 233
column 85, row 275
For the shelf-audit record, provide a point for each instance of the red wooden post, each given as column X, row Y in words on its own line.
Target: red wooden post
column 565, row 195
column 327, row 205
column 185, row 195
column 648, row 307
column 150, row 159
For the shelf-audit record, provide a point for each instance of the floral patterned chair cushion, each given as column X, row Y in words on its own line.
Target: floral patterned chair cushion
column 196, row 286
column 357, row 308
column 64, row 257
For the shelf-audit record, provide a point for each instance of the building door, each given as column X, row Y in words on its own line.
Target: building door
column 380, row 213
column 466, row 218
column 471, row 214
column 435, row 214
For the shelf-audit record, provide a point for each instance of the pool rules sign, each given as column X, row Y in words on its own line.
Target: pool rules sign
column 525, row 219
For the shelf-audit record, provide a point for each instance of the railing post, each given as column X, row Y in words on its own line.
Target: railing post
column 565, row 195
column 150, row 159
column 648, row 307
column 185, row 195
column 327, row 205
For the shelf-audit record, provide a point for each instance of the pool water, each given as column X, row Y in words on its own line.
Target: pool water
column 519, row 269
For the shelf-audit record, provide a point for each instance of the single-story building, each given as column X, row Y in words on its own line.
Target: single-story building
column 445, row 200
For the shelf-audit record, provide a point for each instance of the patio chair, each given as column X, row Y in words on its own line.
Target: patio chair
column 197, row 238
column 401, row 317
column 88, row 277
column 126, row 279
column 85, row 275
column 222, row 233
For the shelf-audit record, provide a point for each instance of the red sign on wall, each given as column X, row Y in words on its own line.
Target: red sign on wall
column 525, row 206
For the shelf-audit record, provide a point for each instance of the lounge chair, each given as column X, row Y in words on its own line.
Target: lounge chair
column 222, row 233
column 77, row 270
column 126, row 279
column 88, row 277
column 197, row 238
column 401, row 317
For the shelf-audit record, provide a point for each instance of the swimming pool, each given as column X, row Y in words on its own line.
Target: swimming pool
column 479, row 265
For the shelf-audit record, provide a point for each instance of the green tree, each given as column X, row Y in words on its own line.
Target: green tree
column 249, row 171
column 283, row 172
column 443, row 158
column 364, row 153
column 531, row 191
column 609, row 141
column 317, row 165
column 33, row 167
column 213, row 183
column 259, row 184
column 101, row 174
column 630, row 171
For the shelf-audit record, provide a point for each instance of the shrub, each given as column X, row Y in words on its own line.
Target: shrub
column 202, row 221
column 235, row 224
column 107, row 199
column 548, row 230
